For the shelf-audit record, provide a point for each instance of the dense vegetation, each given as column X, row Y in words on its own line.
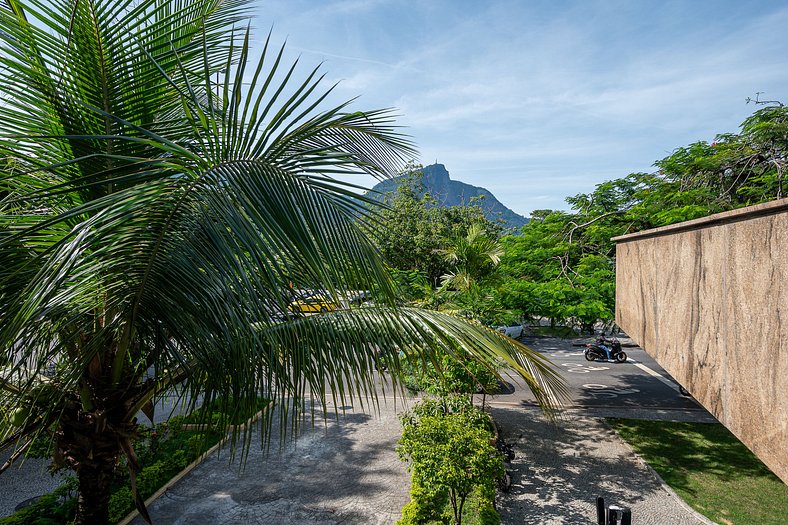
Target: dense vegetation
column 561, row 266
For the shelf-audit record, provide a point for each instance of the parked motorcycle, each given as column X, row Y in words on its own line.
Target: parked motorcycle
column 596, row 351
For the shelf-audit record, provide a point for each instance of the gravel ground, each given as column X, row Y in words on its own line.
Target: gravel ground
column 559, row 471
column 24, row 480
column 344, row 472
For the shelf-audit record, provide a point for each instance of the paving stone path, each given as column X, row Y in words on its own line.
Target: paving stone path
column 341, row 472
column 347, row 472
column 559, row 471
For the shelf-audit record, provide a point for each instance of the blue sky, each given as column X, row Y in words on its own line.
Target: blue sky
column 537, row 101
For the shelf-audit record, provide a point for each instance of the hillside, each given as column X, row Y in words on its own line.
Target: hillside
column 449, row 192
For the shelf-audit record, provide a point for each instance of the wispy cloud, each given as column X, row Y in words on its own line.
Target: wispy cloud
column 538, row 98
column 324, row 55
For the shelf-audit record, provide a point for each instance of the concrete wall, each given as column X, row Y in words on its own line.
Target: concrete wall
column 708, row 299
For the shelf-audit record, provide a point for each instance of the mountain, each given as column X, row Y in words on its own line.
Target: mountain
column 449, row 192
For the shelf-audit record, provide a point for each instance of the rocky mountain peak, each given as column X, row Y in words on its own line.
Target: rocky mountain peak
column 448, row 192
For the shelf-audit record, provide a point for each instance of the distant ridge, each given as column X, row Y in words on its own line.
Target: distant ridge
column 449, row 193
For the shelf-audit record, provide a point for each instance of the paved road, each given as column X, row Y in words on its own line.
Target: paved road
column 638, row 388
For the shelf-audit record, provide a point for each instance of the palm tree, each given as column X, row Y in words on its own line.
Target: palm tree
column 474, row 256
column 160, row 191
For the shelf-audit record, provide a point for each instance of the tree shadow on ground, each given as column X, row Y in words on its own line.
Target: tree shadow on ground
column 559, row 471
column 336, row 471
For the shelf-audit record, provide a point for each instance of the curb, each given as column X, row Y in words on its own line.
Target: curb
column 191, row 466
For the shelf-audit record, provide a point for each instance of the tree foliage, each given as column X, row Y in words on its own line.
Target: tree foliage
column 413, row 230
column 562, row 266
column 448, row 452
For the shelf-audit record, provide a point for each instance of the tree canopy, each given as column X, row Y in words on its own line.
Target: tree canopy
column 562, row 267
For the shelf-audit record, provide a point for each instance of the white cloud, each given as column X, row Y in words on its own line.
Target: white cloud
column 538, row 98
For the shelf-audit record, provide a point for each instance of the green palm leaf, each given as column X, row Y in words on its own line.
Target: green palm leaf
column 157, row 209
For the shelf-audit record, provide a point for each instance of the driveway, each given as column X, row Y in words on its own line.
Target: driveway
column 347, row 471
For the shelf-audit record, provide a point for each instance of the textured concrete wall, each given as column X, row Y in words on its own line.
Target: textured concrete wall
column 708, row 299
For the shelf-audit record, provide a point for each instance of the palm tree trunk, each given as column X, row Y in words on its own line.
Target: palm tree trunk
column 95, row 485
column 91, row 447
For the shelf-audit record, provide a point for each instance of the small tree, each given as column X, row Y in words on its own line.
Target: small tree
column 450, row 451
column 449, row 375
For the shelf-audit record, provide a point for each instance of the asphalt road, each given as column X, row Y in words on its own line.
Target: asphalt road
column 638, row 388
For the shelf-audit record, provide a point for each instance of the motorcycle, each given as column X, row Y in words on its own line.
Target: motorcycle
column 599, row 350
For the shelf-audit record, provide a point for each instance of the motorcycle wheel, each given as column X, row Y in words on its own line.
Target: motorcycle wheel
column 621, row 357
column 589, row 355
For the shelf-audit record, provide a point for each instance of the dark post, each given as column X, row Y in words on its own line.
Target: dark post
column 600, row 511
column 613, row 512
column 626, row 517
column 609, row 515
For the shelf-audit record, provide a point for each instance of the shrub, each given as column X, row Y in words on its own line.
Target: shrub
column 449, row 375
column 51, row 509
column 120, row 504
column 448, row 453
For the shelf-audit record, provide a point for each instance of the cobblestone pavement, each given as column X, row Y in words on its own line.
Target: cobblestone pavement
column 559, row 471
column 347, row 472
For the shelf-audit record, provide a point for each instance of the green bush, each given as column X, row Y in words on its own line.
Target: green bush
column 426, row 505
column 120, row 504
column 56, row 508
column 220, row 412
column 452, row 462
column 448, row 375
column 162, row 451
column 484, row 502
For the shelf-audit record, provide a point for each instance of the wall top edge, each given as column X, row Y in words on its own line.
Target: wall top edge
column 740, row 214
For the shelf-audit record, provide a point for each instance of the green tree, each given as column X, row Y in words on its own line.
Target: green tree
column 450, row 451
column 473, row 258
column 159, row 193
column 413, row 229
column 562, row 267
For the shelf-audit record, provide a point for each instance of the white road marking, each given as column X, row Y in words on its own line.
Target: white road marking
column 579, row 368
column 606, row 391
column 653, row 373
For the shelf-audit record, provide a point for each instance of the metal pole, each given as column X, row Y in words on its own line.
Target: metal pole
column 626, row 517
column 600, row 511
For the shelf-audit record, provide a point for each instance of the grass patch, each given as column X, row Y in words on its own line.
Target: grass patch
column 710, row 469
